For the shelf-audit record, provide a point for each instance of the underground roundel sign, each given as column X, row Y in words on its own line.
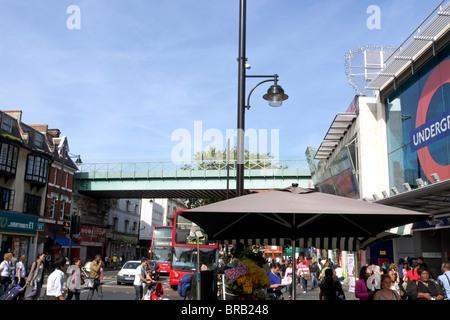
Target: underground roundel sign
column 427, row 132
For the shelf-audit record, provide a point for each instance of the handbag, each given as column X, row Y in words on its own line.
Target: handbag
column 90, row 283
column 306, row 276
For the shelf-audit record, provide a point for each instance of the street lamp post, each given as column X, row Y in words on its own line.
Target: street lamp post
column 275, row 95
column 77, row 162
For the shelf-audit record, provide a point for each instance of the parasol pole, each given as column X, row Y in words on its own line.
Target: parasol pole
column 294, row 273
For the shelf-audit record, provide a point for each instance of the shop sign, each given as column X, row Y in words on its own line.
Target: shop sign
column 40, row 226
column 11, row 223
column 432, row 255
column 432, row 223
column 92, row 234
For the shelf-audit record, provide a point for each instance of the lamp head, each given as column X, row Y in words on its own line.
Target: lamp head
column 275, row 95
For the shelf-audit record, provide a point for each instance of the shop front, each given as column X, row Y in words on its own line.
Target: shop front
column 91, row 241
column 18, row 235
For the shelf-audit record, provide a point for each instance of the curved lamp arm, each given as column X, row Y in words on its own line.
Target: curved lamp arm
column 248, row 99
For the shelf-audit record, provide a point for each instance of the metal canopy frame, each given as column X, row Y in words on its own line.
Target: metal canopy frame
column 405, row 57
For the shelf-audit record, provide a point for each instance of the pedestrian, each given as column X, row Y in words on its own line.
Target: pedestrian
column 303, row 273
column 314, row 271
column 395, row 285
column 140, row 278
column 36, row 278
column 325, row 267
column 339, row 273
column 114, row 262
column 444, row 279
column 330, row 288
column 73, row 282
column 424, row 288
column 400, row 270
column 48, row 262
column 275, row 279
column 361, row 291
column 55, row 281
column 96, row 275
column 386, row 293
column 21, row 273
column 422, row 263
column 5, row 272
column 412, row 274
column 288, row 277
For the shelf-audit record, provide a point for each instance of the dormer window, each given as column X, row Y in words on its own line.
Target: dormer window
column 7, row 123
column 38, row 140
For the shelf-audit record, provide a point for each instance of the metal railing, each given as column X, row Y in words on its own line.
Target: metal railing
column 209, row 168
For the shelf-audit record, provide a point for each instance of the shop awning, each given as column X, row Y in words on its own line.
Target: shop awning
column 337, row 130
column 64, row 242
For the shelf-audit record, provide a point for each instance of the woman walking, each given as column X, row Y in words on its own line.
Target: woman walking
column 21, row 273
column 73, row 282
column 5, row 272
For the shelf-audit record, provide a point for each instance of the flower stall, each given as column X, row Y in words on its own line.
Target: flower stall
column 247, row 280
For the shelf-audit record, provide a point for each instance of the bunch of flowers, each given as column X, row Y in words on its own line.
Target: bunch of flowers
column 248, row 278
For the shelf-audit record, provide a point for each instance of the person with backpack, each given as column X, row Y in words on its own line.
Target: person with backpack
column 36, row 278
column 185, row 285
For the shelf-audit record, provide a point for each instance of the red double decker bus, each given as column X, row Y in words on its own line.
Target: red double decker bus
column 161, row 248
column 184, row 250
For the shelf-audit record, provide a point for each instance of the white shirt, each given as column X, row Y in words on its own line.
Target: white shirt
column 6, row 268
column 55, row 283
column 137, row 280
column 20, row 265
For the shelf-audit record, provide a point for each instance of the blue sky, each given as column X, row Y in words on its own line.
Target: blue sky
column 139, row 70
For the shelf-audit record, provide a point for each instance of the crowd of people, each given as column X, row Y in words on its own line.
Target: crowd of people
column 63, row 283
column 322, row 273
column 406, row 280
column 66, row 280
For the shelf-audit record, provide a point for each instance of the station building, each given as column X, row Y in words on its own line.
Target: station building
column 393, row 147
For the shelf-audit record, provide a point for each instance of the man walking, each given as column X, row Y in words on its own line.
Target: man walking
column 96, row 275
column 55, row 282
column 314, row 270
column 444, row 279
column 140, row 278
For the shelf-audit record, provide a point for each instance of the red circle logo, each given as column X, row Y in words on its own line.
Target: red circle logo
column 439, row 76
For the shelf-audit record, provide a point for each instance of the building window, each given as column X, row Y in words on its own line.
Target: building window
column 6, row 199
column 8, row 158
column 31, row 204
column 115, row 224
column 7, row 123
column 38, row 140
column 52, row 208
column 127, row 226
column 37, row 168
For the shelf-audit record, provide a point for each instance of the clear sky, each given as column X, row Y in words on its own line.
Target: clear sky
column 122, row 79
